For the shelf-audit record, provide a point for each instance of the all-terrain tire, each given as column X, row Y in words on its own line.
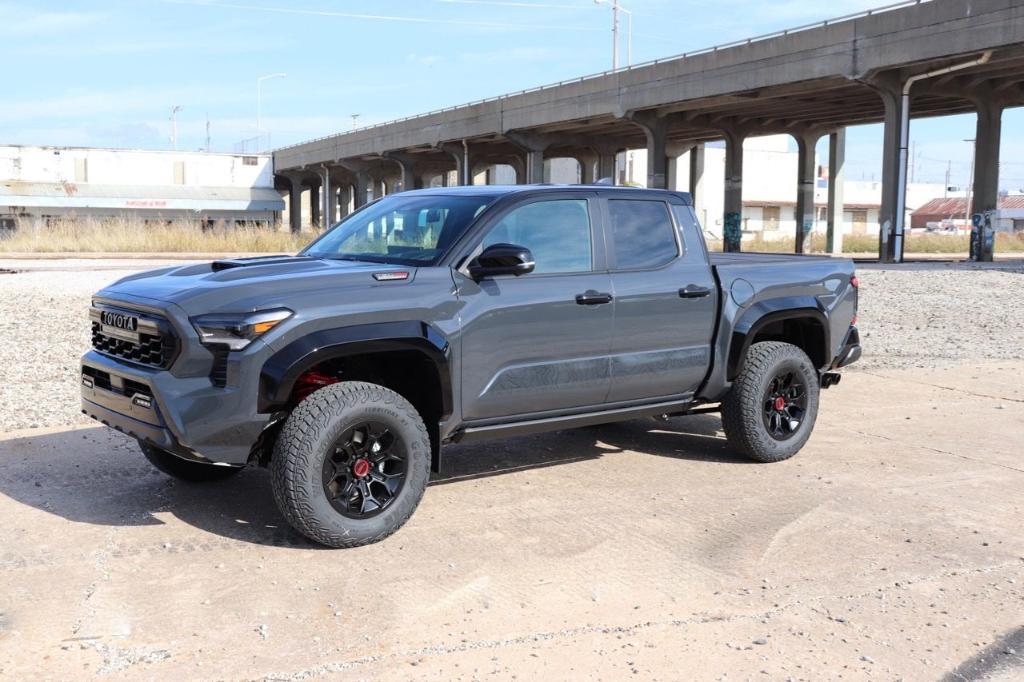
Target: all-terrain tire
column 743, row 409
column 183, row 469
column 309, row 437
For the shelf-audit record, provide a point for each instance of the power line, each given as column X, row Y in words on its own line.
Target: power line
column 504, row 3
column 379, row 17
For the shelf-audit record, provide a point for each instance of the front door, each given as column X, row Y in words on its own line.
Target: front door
column 665, row 298
column 538, row 342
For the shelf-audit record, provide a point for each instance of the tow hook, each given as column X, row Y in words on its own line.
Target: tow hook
column 829, row 379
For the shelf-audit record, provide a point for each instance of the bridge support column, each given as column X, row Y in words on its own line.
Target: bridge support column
column 987, row 137
column 655, row 128
column 805, row 212
column 836, row 161
column 360, row 189
column 889, row 240
column 314, row 205
column 533, row 147
column 587, row 162
column 294, row 204
column 675, row 150
column 332, row 204
column 697, row 182
column 606, row 166
column 327, row 199
column 732, row 225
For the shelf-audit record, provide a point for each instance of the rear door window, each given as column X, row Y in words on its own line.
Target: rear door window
column 642, row 234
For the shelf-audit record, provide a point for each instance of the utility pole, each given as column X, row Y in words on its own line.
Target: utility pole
column 207, row 132
column 616, row 8
column 949, row 171
column 355, row 117
column 174, row 126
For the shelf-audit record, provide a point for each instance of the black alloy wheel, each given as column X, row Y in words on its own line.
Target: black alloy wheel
column 366, row 470
column 785, row 404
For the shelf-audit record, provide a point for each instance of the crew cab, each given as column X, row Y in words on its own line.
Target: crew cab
column 455, row 314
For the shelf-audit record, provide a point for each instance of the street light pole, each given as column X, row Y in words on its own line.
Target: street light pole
column 259, row 99
column 616, row 8
column 174, row 126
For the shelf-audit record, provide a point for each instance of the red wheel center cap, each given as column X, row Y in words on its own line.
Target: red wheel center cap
column 361, row 467
column 780, row 404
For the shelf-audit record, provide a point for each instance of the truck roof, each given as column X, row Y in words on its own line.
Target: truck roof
column 503, row 190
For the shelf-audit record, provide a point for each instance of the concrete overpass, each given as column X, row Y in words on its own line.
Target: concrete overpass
column 948, row 56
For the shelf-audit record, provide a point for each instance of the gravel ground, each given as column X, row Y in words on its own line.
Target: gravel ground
column 920, row 316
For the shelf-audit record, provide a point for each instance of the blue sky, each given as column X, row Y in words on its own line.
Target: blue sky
column 106, row 72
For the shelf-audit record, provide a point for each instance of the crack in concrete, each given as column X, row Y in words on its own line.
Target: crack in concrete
column 937, row 450
column 944, row 388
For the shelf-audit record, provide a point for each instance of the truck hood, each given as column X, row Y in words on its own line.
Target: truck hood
column 250, row 283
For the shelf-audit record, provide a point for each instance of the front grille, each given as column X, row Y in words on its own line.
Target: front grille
column 152, row 344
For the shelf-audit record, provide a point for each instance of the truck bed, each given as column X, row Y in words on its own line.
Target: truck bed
column 719, row 258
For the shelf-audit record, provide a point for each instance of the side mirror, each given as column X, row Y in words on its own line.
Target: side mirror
column 501, row 259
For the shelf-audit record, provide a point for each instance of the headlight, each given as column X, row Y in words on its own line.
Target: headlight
column 237, row 330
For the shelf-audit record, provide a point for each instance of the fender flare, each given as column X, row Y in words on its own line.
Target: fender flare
column 763, row 313
column 280, row 372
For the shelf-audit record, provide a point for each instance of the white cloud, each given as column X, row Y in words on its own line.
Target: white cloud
column 19, row 21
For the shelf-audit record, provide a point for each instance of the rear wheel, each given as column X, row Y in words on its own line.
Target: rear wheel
column 770, row 410
column 351, row 464
column 184, row 469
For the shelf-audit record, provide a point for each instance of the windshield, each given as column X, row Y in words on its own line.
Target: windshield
column 405, row 230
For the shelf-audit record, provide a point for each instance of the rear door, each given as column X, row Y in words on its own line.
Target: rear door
column 665, row 298
column 538, row 342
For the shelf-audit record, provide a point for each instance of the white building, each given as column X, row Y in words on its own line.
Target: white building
column 39, row 184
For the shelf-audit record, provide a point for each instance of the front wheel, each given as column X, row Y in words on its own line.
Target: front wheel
column 769, row 412
column 351, row 464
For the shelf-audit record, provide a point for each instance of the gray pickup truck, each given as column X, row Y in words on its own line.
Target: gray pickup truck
column 457, row 314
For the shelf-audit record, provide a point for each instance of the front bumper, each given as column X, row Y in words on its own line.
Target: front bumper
column 187, row 416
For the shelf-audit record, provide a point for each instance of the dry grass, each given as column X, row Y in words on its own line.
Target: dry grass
column 1005, row 243
column 83, row 235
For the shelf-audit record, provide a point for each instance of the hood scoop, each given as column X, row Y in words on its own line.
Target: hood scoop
column 229, row 263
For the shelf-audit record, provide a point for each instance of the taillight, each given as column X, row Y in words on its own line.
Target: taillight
column 855, row 282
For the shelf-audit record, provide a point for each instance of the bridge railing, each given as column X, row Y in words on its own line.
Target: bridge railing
column 661, row 60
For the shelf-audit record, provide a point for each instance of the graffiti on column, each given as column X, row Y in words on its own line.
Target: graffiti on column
column 805, row 235
column 733, row 231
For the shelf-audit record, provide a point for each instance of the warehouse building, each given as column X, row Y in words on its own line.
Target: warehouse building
column 41, row 184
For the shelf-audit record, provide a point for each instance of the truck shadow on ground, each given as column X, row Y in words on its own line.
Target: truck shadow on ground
column 109, row 483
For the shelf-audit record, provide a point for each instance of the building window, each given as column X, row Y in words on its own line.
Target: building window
column 248, row 160
column 81, row 170
column 770, row 216
column 822, row 214
column 179, row 172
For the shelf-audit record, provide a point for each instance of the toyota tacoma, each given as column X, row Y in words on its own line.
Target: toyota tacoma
column 456, row 314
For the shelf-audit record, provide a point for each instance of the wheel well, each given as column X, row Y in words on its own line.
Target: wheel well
column 806, row 332
column 410, row 373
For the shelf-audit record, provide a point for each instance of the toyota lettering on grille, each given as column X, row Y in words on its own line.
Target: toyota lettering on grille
column 119, row 321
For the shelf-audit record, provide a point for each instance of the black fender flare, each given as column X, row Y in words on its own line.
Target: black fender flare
column 280, row 372
column 766, row 312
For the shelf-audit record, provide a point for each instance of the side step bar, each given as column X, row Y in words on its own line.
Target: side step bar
column 475, row 433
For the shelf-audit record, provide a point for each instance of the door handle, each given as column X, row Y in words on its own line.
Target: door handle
column 593, row 298
column 693, row 291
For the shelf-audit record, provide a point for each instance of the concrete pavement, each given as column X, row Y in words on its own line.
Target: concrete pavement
column 889, row 548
